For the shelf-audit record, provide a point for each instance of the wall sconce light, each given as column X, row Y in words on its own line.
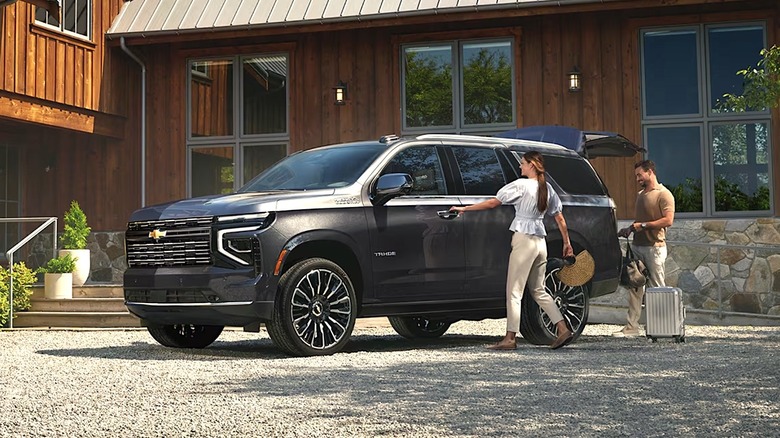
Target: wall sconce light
column 340, row 93
column 575, row 78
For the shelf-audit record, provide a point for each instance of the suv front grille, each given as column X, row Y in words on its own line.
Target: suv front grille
column 173, row 242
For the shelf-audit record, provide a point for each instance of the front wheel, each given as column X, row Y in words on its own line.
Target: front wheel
column 537, row 328
column 315, row 310
column 185, row 335
column 414, row 327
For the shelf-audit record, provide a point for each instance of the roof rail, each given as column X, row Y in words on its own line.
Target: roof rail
column 388, row 138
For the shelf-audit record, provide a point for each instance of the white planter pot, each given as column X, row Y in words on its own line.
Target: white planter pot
column 58, row 286
column 81, row 273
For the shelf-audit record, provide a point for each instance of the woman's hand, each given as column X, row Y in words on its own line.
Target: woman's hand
column 460, row 210
column 568, row 251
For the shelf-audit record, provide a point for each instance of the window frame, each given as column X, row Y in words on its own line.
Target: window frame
column 61, row 27
column 238, row 139
column 706, row 119
column 456, row 43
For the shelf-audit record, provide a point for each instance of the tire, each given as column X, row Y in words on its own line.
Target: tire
column 413, row 327
column 185, row 335
column 573, row 302
column 315, row 309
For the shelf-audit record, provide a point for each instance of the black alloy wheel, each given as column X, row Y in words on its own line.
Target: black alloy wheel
column 573, row 302
column 185, row 335
column 416, row 327
column 315, row 312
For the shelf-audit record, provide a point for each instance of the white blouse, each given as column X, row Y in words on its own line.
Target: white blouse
column 522, row 194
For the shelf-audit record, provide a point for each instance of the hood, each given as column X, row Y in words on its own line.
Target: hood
column 589, row 144
column 220, row 205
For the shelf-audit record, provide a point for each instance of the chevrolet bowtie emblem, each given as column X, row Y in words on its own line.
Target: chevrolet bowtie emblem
column 157, row 234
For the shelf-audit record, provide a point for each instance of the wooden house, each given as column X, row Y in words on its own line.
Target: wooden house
column 132, row 103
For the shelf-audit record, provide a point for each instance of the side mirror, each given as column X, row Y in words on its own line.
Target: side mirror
column 390, row 186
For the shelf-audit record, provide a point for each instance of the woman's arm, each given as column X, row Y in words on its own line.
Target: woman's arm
column 484, row 205
column 567, row 249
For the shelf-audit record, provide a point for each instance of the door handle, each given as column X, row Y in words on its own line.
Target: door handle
column 447, row 214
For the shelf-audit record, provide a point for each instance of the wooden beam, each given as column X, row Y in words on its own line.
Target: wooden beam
column 31, row 110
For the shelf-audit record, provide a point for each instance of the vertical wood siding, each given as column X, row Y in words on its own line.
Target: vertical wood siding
column 38, row 61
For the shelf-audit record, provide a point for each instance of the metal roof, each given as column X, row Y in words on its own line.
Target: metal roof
column 156, row 17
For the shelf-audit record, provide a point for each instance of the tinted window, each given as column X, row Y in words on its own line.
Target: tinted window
column 575, row 176
column 670, row 72
column 480, row 170
column 423, row 164
column 317, row 169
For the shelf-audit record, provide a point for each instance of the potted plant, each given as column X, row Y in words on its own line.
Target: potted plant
column 74, row 242
column 58, row 278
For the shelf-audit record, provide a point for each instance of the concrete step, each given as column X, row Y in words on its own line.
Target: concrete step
column 93, row 305
column 78, row 305
column 89, row 290
column 75, row 319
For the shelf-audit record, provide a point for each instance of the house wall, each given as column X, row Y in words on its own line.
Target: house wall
column 604, row 45
column 67, row 104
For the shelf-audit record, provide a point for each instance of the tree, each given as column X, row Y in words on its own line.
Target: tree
column 761, row 84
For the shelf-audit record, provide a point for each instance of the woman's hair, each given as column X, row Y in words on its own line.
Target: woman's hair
column 537, row 161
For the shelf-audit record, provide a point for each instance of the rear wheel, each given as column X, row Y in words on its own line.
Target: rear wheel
column 537, row 328
column 415, row 327
column 185, row 335
column 315, row 311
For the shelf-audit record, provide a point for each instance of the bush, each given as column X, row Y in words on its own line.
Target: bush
column 23, row 278
column 63, row 264
column 76, row 229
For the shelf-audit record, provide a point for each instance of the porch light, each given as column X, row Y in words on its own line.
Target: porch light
column 340, row 93
column 575, row 79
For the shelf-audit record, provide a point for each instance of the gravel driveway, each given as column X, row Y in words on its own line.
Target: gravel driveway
column 724, row 381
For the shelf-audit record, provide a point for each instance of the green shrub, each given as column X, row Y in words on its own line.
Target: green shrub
column 76, row 229
column 63, row 264
column 23, row 278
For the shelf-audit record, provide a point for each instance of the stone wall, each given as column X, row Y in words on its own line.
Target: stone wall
column 107, row 255
column 722, row 264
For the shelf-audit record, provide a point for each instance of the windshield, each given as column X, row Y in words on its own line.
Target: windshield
column 319, row 168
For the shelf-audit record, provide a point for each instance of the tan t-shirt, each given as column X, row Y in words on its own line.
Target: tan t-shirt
column 652, row 205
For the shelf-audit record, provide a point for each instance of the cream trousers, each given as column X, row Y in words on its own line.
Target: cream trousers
column 654, row 258
column 527, row 266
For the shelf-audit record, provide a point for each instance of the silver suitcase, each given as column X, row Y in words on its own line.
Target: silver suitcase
column 665, row 313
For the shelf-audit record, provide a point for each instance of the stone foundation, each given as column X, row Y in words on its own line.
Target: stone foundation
column 722, row 265
column 106, row 250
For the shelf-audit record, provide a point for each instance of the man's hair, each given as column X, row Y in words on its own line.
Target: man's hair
column 646, row 165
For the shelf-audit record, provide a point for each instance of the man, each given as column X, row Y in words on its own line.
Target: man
column 654, row 212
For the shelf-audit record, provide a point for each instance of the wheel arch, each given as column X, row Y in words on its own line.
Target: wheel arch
column 334, row 246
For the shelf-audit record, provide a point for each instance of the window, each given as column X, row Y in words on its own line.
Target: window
column 575, row 176
column 458, row 86
column 237, row 120
column 423, row 164
column 480, row 170
column 75, row 17
column 715, row 160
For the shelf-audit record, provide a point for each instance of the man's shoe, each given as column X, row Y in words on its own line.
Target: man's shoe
column 625, row 333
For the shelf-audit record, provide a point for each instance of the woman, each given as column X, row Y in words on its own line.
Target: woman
column 532, row 197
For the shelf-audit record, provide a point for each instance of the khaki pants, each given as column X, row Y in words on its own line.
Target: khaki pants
column 654, row 258
column 527, row 264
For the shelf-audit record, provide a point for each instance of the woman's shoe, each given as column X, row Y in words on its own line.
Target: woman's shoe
column 503, row 346
column 562, row 340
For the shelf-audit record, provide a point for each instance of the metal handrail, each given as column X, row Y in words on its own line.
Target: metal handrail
column 10, row 253
column 718, row 247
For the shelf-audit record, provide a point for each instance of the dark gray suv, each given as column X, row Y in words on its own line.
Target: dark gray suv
column 332, row 234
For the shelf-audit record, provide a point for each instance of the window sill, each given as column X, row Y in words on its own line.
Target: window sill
column 47, row 32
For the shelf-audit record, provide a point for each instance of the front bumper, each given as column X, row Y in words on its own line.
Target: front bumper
column 199, row 295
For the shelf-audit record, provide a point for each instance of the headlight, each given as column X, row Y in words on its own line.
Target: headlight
column 234, row 237
column 233, row 244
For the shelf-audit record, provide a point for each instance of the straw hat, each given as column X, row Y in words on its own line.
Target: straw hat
column 579, row 272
